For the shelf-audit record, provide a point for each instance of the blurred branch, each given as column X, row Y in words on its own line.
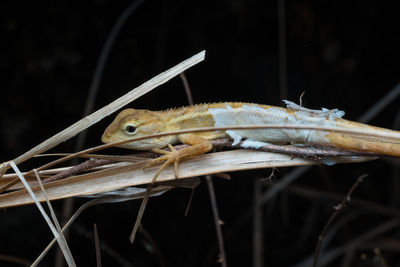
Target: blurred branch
column 381, row 104
column 333, row 253
column 187, row 88
column 97, row 245
column 338, row 208
column 217, row 220
column 258, row 233
column 282, row 49
column 312, row 193
column 91, row 99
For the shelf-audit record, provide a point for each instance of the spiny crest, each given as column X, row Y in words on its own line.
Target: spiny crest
column 185, row 109
column 207, row 105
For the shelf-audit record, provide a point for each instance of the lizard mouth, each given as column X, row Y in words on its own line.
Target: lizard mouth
column 105, row 138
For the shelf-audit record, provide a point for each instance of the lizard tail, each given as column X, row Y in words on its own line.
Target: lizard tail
column 383, row 146
column 361, row 144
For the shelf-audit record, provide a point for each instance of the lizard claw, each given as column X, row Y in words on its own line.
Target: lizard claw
column 198, row 146
column 169, row 157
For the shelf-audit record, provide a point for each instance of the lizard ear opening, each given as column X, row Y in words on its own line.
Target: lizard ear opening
column 129, row 128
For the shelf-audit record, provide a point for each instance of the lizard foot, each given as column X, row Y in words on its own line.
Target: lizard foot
column 169, row 157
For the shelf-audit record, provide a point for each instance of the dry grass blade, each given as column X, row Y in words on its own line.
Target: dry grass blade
column 133, row 174
column 61, row 241
column 124, row 195
column 93, row 118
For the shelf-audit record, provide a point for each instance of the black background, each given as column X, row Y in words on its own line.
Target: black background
column 343, row 54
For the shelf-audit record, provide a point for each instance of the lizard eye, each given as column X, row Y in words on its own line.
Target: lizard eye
column 129, row 128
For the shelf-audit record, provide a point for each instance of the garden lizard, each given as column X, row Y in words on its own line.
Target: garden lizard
column 135, row 123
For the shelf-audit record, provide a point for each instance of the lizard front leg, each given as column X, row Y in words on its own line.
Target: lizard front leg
column 198, row 146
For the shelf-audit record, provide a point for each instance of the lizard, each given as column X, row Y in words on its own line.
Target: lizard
column 135, row 123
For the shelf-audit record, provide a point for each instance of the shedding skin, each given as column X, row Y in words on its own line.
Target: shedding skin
column 136, row 123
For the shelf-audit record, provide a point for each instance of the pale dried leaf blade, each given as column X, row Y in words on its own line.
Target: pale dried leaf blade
column 62, row 241
column 133, row 174
column 129, row 194
column 93, row 118
column 68, row 257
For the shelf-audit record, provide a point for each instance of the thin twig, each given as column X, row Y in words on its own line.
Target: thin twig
column 97, row 245
column 140, row 213
column 208, row 178
column 217, row 220
column 381, row 104
column 105, row 248
column 282, row 49
column 189, row 204
column 105, row 51
column 301, row 98
column 210, row 188
column 80, row 168
column 258, row 232
column 278, row 187
column 348, row 257
column 338, row 208
column 155, row 248
column 91, row 98
column 371, row 206
column 359, row 240
column 187, row 88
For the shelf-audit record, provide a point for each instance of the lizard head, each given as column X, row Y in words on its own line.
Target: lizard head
column 131, row 123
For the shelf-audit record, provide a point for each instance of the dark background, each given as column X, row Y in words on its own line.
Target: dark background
column 344, row 54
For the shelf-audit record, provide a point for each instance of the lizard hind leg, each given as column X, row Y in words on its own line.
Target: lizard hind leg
column 197, row 146
column 169, row 157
